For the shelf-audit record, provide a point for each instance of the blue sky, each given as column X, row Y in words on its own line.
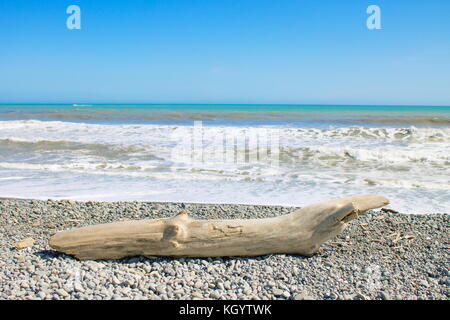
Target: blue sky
column 225, row 51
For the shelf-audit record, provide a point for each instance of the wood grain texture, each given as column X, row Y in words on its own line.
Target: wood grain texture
column 301, row 232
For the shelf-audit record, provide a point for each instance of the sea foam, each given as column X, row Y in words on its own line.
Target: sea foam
column 56, row 159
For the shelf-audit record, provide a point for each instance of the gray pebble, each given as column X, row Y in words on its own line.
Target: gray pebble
column 348, row 267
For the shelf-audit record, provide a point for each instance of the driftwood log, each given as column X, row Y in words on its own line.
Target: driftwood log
column 301, row 232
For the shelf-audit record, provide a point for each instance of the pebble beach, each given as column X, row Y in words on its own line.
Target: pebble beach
column 381, row 255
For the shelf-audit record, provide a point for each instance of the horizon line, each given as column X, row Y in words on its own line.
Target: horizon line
column 203, row 103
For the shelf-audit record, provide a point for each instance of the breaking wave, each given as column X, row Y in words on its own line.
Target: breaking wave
column 402, row 163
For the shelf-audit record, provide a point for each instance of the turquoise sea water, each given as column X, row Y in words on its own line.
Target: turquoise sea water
column 258, row 154
column 296, row 115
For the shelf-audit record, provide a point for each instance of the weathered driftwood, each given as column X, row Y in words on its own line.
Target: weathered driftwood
column 301, row 232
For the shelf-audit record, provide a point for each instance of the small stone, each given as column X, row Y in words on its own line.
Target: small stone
column 424, row 283
column 25, row 243
column 62, row 292
column 303, row 296
column 197, row 295
column 359, row 296
column 247, row 291
column 103, row 274
column 78, row 287
column 90, row 284
column 179, row 291
column 161, row 289
column 116, row 281
column 368, row 270
column 220, row 286
column 277, row 292
column 215, row 295
column 268, row 269
column 384, row 295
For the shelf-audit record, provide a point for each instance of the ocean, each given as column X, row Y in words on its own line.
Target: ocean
column 251, row 154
